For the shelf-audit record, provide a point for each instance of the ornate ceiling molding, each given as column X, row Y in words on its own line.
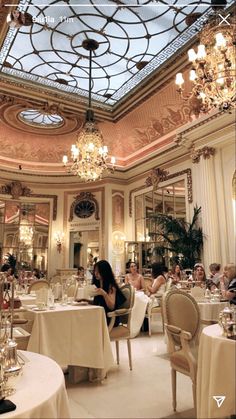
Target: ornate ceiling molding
column 11, row 106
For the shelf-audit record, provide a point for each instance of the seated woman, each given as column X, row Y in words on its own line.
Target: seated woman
column 176, row 274
column 108, row 295
column 80, row 273
column 159, row 280
column 134, row 278
column 199, row 275
column 229, row 274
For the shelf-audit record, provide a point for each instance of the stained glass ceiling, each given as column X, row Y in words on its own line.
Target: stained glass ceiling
column 135, row 38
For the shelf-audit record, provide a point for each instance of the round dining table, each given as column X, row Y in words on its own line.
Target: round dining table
column 40, row 390
column 210, row 310
column 216, row 386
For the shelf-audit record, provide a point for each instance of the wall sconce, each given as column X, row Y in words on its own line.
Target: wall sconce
column 59, row 238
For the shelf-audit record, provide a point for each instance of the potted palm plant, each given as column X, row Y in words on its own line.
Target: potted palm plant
column 183, row 239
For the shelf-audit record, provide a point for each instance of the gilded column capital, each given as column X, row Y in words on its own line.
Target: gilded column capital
column 206, row 152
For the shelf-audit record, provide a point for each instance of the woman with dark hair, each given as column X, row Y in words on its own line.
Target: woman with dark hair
column 159, row 280
column 176, row 274
column 108, row 295
column 134, row 278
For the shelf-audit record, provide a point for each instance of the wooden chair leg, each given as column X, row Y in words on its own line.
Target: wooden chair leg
column 173, row 382
column 194, row 397
column 162, row 319
column 117, row 352
column 149, row 325
column 129, row 353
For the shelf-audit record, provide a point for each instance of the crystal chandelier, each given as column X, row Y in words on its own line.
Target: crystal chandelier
column 26, row 234
column 89, row 155
column 213, row 71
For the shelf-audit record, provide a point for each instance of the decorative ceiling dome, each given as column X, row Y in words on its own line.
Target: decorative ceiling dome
column 41, row 120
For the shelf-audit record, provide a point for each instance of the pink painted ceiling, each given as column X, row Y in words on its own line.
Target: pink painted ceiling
column 147, row 128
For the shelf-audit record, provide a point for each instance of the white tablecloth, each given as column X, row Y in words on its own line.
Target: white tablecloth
column 40, row 391
column 27, row 299
column 216, row 374
column 209, row 311
column 138, row 312
column 72, row 335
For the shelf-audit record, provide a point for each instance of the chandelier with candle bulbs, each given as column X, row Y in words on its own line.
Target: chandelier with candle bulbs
column 26, row 234
column 89, row 156
column 213, row 72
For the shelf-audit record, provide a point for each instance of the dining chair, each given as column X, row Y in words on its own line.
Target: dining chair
column 155, row 307
column 37, row 285
column 182, row 324
column 123, row 330
column 197, row 293
column 21, row 337
column 71, row 290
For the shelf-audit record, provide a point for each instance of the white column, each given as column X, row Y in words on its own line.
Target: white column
column 221, row 206
column 210, row 219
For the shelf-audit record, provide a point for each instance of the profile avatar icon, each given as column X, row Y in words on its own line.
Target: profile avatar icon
column 16, row 19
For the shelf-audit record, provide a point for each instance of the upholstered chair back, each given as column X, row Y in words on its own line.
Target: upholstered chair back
column 181, row 310
column 129, row 293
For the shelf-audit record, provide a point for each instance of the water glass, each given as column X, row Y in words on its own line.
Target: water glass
column 64, row 299
column 50, row 300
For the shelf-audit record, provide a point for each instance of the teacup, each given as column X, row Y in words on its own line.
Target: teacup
column 41, row 305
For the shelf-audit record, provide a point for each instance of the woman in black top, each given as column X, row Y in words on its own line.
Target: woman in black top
column 108, row 294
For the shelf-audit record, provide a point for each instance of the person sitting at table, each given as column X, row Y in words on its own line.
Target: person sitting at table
column 199, row 275
column 108, row 295
column 159, row 280
column 80, row 273
column 213, row 279
column 134, row 278
column 36, row 274
column 230, row 274
column 176, row 274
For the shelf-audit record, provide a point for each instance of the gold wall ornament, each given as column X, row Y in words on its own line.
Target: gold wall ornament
column 90, row 203
column 15, row 189
column 206, row 152
column 156, row 176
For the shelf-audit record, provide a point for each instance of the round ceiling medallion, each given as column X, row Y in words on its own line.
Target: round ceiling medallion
column 34, row 117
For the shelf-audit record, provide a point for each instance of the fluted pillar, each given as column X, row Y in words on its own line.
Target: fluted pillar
column 206, row 197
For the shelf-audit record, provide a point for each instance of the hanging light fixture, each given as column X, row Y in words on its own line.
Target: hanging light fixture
column 213, row 72
column 89, row 155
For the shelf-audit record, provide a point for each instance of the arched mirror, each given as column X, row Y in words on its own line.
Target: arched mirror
column 24, row 229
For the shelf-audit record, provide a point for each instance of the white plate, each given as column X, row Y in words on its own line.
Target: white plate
column 80, row 303
column 39, row 309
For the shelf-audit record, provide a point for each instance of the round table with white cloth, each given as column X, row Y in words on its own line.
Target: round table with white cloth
column 209, row 311
column 40, row 391
column 27, row 299
column 138, row 312
column 216, row 374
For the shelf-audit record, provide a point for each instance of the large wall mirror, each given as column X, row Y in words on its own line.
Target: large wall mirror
column 169, row 199
column 84, row 248
column 24, row 232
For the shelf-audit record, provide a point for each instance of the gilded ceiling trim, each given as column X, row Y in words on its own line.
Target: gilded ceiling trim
column 17, row 190
column 158, row 175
